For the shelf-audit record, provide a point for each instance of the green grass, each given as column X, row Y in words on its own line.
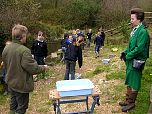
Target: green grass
column 116, row 75
column 3, row 99
column 44, row 75
column 99, row 69
column 1, row 88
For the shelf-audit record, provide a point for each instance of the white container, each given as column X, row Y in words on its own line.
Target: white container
column 105, row 61
column 74, row 87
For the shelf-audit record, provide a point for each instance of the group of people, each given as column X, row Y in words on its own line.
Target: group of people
column 39, row 52
column 21, row 63
column 98, row 40
column 20, row 66
column 72, row 45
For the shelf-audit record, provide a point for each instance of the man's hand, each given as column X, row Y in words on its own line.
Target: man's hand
column 46, row 67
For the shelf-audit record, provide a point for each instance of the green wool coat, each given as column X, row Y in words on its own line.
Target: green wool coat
column 138, row 48
column 20, row 67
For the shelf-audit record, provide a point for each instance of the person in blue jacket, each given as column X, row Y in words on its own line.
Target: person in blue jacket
column 98, row 41
column 72, row 54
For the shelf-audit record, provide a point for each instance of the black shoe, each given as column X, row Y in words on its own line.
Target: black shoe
column 128, row 107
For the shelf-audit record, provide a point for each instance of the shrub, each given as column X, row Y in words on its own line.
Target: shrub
column 3, row 35
column 124, row 30
column 51, row 32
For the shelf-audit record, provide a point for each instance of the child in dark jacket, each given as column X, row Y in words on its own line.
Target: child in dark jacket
column 3, row 79
column 89, row 35
column 39, row 49
column 98, row 43
column 72, row 54
column 63, row 43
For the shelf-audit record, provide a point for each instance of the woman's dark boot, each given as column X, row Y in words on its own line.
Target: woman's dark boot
column 131, row 101
column 124, row 103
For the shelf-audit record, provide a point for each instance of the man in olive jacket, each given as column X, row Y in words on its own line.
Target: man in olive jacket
column 20, row 68
column 138, row 48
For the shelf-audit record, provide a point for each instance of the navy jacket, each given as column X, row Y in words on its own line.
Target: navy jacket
column 73, row 53
column 98, row 40
column 39, row 48
column 89, row 35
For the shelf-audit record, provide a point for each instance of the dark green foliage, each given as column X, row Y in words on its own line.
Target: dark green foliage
column 4, row 35
column 125, row 30
column 55, row 31
column 80, row 13
column 16, row 12
column 51, row 32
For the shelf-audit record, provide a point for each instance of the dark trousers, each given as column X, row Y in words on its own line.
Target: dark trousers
column 97, row 49
column 19, row 102
column 3, row 80
column 40, row 60
column 88, row 42
column 70, row 69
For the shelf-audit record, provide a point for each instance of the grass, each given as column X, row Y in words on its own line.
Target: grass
column 3, row 99
column 116, row 75
column 45, row 75
column 99, row 69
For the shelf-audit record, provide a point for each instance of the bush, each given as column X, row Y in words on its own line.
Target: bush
column 124, row 30
column 4, row 35
column 51, row 32
column 79, row 13
column 56, row 31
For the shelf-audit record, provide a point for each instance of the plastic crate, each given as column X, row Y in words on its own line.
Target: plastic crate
column 105, row 61
column 74, row 87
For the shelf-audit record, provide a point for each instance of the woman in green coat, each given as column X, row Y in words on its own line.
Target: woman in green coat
column 138, row 48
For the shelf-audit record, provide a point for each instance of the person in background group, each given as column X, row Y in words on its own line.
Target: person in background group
column 98, row 43
column 39, row 49
column 103, row 37
column 20, row 68
column 63, row 44
column 81, row 34
column 89, row 35
column 78, row 32
column 72, row 54
column 138, row 48
column 74, row 34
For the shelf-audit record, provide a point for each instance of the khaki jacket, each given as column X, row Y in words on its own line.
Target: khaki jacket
column 20, row 67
